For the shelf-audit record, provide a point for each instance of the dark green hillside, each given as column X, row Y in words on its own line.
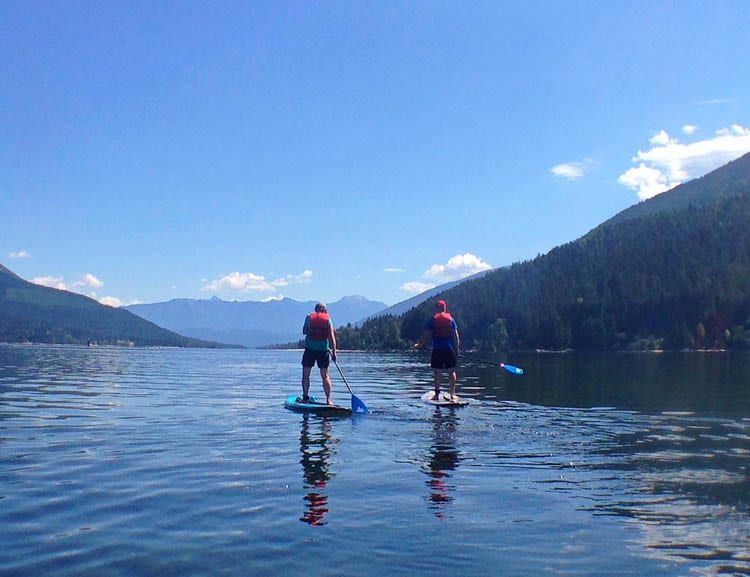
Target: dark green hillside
column 32, row 313
column 675, row 279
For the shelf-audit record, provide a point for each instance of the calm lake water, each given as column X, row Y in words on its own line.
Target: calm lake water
column 183, row 462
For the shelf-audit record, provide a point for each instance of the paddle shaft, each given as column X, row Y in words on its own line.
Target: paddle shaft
column 509, row 368
column 357, row 403
column 335, row 362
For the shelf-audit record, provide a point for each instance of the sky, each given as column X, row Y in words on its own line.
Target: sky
column 255, row 150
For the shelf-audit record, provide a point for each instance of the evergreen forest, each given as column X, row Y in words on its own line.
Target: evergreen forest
column 670, row 273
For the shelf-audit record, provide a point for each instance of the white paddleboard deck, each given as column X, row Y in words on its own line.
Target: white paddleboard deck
column 445, row 400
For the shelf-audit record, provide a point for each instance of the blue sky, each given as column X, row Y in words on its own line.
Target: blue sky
column 253, row 150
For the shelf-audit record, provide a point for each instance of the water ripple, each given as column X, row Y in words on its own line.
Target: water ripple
column 119, row 461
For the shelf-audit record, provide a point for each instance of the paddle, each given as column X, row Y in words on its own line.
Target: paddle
column 509, row 368
column 357, row 404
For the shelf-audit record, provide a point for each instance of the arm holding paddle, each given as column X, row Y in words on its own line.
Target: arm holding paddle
column 332, row 342
column 422, row 340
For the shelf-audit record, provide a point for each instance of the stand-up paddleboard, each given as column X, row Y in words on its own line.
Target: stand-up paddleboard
column 445, row 400
column 295, row 403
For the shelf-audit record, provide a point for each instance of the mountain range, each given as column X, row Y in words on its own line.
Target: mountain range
column 249, row 323
column 670, row 272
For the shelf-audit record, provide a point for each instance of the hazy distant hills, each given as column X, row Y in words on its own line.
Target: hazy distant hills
column 33, row 313
column 249, row 323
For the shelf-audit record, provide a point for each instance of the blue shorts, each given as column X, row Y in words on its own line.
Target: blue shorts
column 310, row 357
column 443, row 359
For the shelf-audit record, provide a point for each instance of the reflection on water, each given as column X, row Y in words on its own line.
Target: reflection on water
column 116, row 462
column 443, row 458
column 316, row 445
column 686, row 484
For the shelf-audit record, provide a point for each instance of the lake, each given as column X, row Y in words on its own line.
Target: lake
column 120, row 462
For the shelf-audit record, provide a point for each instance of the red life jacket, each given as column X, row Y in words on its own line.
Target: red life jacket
column 443, row 328
column 319, row 327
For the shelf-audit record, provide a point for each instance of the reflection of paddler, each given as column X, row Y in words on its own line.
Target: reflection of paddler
column 443, row 457
column 315, row 453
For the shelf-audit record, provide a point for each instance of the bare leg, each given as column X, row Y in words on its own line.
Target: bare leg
column 452, row 377
column 436, row 381
column 326, row 384
column 306, row 381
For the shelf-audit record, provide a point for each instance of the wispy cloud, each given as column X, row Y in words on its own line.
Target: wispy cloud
column 569, row 170
column 393, row 269
column 113, row 302
column 83, row 285
column 276, row 297
column 457, row 267
column 689, row 129
column 713, row 102
column 669, row 162
column 55, row 282
column 87, row 280
column 251, row 282
column 19, row 254
column 416, row 287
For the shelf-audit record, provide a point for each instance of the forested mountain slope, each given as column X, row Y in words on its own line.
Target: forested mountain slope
column 677, row 276
column 33, row 313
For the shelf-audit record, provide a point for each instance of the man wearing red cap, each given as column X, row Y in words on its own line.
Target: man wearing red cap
column 446, row 343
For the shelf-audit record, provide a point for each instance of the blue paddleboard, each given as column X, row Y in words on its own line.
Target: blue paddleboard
column 445, row 400
column 295, row 403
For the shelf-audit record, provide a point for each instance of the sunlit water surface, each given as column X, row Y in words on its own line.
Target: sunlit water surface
column 183, row 462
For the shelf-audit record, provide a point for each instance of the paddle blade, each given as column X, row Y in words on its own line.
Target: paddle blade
column 358, row 406
column 512, row 369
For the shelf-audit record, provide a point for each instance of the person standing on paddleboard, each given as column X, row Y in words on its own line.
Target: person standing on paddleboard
column 320, row 338
column 446, row 343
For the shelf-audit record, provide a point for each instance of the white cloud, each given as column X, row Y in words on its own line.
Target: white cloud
column 661, row 138
column 111, row 301
column 569, row 170
column 272, row 298
column 19, row 254
column 302, row 278
column 416, row 287
column 88, row 280
column 457, row 267
column 689, row 129
column 646, row 180
column 81, row 286
column 251, row 282
column 669, row 162
column 241, row 282
column 393, row 269
column 55, row 282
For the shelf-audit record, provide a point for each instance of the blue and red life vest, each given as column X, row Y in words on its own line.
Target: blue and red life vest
column 319, row 327
column 443, row 326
